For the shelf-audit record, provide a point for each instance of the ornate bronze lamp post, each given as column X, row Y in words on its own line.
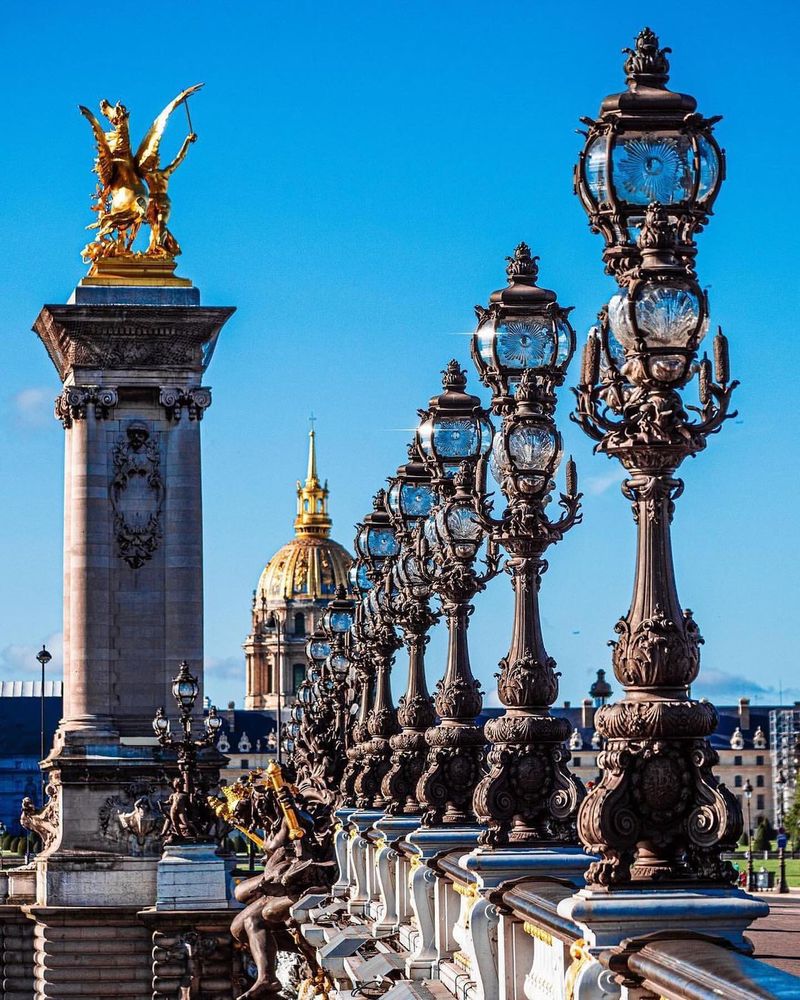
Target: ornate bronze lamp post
column 410, row 499
column 377, row 548
column 336, row 625
column 658, row 812
column 189, row 813
column 648, row 144
column 453, row 437
column 522, row 347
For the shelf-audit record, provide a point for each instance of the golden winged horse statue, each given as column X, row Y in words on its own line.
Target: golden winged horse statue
column 132, row 187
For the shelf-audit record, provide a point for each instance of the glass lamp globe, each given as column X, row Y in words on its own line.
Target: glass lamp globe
column 648, row 145
column 454, row 428
column 411, row 495
column 160, row 723
column 185, row 687
column 662, row 315
column 213, row 721
column 339, row 664
column 458, row 525
column 523, row 329
column 317, row 648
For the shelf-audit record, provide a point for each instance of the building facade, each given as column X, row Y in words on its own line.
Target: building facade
column 293, row 591
column 744, row 739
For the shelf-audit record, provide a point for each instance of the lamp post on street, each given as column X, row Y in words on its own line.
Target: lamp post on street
column 748, row 794
column 44, row 657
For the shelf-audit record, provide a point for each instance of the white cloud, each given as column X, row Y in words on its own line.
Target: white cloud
column 33, row 406
column 601, row 484
column 18, row 660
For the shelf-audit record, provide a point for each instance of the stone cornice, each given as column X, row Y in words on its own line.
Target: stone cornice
column 121, row 337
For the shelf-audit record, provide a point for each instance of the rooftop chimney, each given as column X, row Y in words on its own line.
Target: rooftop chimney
column 744, row 713
column 587, row 714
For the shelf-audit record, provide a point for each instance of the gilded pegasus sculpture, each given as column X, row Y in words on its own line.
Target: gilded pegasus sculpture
column 132, row 187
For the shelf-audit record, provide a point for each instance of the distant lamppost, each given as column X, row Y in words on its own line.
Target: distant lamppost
column 44, row 657
column 377, row 548
column 783, row 885
column 454, row 437
column 410, row 499
column 272, row 623
column 748, row 794
column 3, row 832
column 185, row 689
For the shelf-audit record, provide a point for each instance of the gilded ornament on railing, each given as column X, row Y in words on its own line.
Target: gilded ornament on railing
column 132, row 189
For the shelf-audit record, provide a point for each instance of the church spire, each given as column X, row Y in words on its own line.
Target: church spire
column 312, row 497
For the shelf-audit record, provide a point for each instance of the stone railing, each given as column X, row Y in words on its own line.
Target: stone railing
column 424, row 915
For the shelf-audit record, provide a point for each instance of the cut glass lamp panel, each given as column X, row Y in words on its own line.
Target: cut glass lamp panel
column 463, row 524
column 381, row 542
column 667, row 315
column 650, row 167
column 533, row 447
column 416, row 499
column 564, row 344
column 524, row 343
column 340, row 621
column 709, row 168
column 498, row 460
column 456, row 437
column 318, row 649
column 595, row 167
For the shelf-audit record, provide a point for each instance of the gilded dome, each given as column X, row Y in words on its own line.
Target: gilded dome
column 308, row 568
column 312, row 566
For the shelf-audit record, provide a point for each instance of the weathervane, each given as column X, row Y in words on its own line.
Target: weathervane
column 132, row 187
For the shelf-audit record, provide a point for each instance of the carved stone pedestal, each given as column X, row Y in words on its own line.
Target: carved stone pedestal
column 607, row 918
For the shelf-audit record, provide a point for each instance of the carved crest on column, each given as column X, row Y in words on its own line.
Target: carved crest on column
column 73, row 402
column 175, row 400
column 137, row 494
column 133, row 819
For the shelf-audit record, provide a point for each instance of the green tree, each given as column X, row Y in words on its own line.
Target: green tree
column 761, row 837
column 791, row 821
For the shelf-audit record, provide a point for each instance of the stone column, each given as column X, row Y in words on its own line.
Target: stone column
column 132, row 361
column 131, row 408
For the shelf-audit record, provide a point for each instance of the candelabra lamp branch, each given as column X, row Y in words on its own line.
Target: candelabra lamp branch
column 189, row 818
column 522, row 347
column 658, row 811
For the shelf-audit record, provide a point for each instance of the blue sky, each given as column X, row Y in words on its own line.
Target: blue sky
column 361, row 172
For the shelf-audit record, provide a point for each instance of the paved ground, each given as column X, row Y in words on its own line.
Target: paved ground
column 777, row 936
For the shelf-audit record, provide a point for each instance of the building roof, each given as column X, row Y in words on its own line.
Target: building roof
column 31, row 689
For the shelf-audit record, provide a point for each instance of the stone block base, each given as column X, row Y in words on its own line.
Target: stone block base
column 16, row 954
column 90, row 953
column 194, row 877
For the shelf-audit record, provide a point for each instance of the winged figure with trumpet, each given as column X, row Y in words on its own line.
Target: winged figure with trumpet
column 132, row 187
